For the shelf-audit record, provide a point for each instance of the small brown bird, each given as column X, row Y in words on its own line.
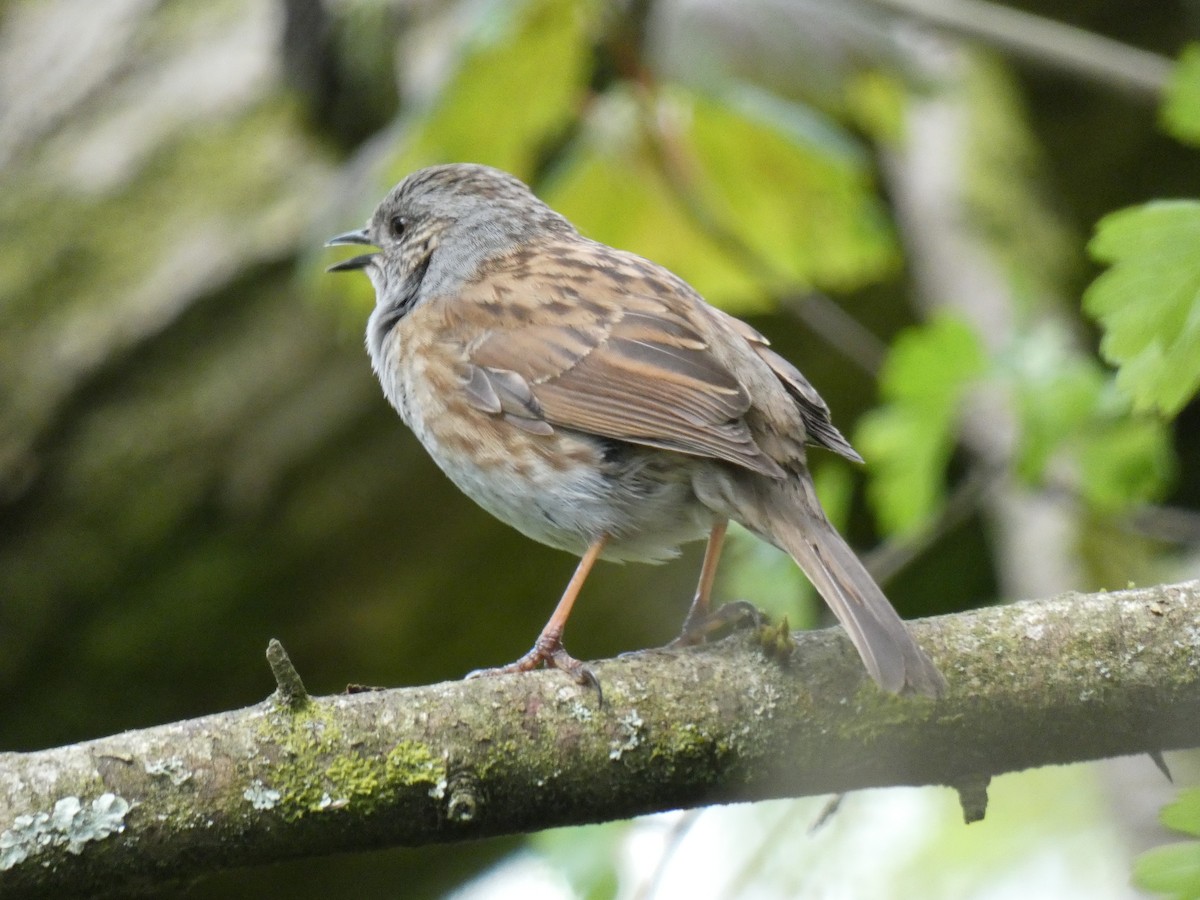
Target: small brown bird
column 595, row 402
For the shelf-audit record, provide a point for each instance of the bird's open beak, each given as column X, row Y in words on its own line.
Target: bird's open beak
column 355, row 262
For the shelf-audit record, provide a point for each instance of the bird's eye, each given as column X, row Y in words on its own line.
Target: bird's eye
column 398, row 225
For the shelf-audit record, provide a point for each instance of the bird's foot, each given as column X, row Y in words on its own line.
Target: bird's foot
column 548, row 651
column 723, row 621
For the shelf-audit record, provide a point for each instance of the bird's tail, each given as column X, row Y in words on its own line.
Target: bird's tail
column 792, row 519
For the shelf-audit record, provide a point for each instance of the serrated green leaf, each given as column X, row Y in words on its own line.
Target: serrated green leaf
column 537, row 51
column 1181, row 108
column 1173, row 870
column 1183, row 813
column 907, row 442
column 1148, row 302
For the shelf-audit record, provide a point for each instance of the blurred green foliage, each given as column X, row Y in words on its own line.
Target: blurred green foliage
column 909, row 438
column 1149, row 301
column 519, row 83
column 1174, row 869
column 194, row 455
column 1181, row 108
column 1071, row 412
column 1006, row 196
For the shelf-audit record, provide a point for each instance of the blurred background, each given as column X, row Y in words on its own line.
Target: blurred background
column 195, row 456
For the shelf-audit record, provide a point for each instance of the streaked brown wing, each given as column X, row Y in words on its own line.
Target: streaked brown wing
column 819, row 428
column 637, row 370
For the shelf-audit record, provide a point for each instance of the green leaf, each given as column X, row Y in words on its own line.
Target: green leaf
column 1148, row 302
column 1056, row 391
column 1068, row 408
column 614, row 193
column 1183, row 814
column 793, row 186
column 1173, row 869
column 907, row 442
column 586, row 856
column 1181, row 109
column 1124, row 462
column 538, row 51
column 878, row 102
column 792, row 191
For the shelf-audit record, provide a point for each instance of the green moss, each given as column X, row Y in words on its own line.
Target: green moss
column 410, row 762
column 353, row 775
column 776, row 640
column 501, row 752
column 685, row 745
column 880, row 714
column 308, row 739
column 319, row 770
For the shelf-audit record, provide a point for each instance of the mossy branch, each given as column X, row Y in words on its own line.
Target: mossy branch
column 1071, row 678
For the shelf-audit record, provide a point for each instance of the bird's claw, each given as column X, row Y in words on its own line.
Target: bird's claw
column 730, row 617
column 551, row 655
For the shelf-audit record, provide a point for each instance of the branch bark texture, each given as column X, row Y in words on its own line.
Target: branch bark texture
column 1071, row 678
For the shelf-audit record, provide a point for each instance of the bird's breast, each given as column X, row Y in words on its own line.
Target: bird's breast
column 565, row 488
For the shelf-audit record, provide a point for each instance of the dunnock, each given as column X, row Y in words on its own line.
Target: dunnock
column 595, row 402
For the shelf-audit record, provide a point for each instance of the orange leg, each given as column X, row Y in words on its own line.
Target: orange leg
column 548, row 649
column 701, row 622
column 702, row 602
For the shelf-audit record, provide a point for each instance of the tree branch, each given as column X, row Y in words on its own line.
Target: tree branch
column 1072, row 678
column 1045, row 41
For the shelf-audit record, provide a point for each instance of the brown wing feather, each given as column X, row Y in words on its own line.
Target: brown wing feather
column 818, row 425
column 637, row 371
